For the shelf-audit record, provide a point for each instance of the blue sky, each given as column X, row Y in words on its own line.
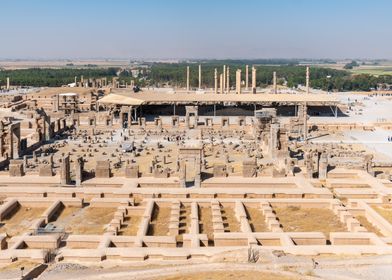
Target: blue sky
column 196, row 29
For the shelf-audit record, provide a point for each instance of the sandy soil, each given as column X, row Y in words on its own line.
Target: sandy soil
column 130, row 226
column 20, row 220
column 227, row 275
column 230, row 221
column 366, row 224
column 384, row 211
column 90, row 220
column 205, row 222
column 256, row 219
column 310, row 219
column 159, row 224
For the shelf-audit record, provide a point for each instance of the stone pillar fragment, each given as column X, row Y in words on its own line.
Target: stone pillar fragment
column 65, row 176
column 323, row 166
column 79, row 166
column 16, row 168
column 275, row 86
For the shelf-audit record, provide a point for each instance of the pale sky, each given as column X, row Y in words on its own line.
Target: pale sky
column 220, row 29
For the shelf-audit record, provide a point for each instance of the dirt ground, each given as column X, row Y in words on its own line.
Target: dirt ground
column 385, row 211
column 230, row 221
column 90, row 220
column 227, row 275
column 20, row 220
column 159, row 225
column 205, row 221
column 298, row 219
column 256, row 219
column 131, row 225
column 366, row 224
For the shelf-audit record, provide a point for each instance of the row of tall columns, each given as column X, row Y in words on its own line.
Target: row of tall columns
column 187, row 78
column 224, row 80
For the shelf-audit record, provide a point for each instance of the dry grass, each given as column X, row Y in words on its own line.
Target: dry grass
column 227, row 275
column 131, row 225
column 20, row 220
column 205, row 222
column 64, row 214
column 298, row 219
column 159, row 224
column 256, row 219
column 90, row 221
column 230, row 221
column 17, row 265
column 385, row 211
column 369, row 226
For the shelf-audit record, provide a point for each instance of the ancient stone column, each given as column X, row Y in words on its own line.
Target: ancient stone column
column 305, row 121
column 323, row 166
column 25, row 162
column 309, row 165
column 8, row 83
column 199, row 76
column 76, row 80
column 187, row 78
column 48, row 129
column 228, row 79
column 253, row 79
column 65, row 176
column 275, row 86
column 216, row 81
column 221, row 83
column 224, row 77
column 238, row 81
column 247, row 77
column 273, row 141
column 79, row 164
column 307, row 79
column 1, row 143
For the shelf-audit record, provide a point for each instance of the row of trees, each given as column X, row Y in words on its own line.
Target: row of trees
column 291, row 75
column 52, row 77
